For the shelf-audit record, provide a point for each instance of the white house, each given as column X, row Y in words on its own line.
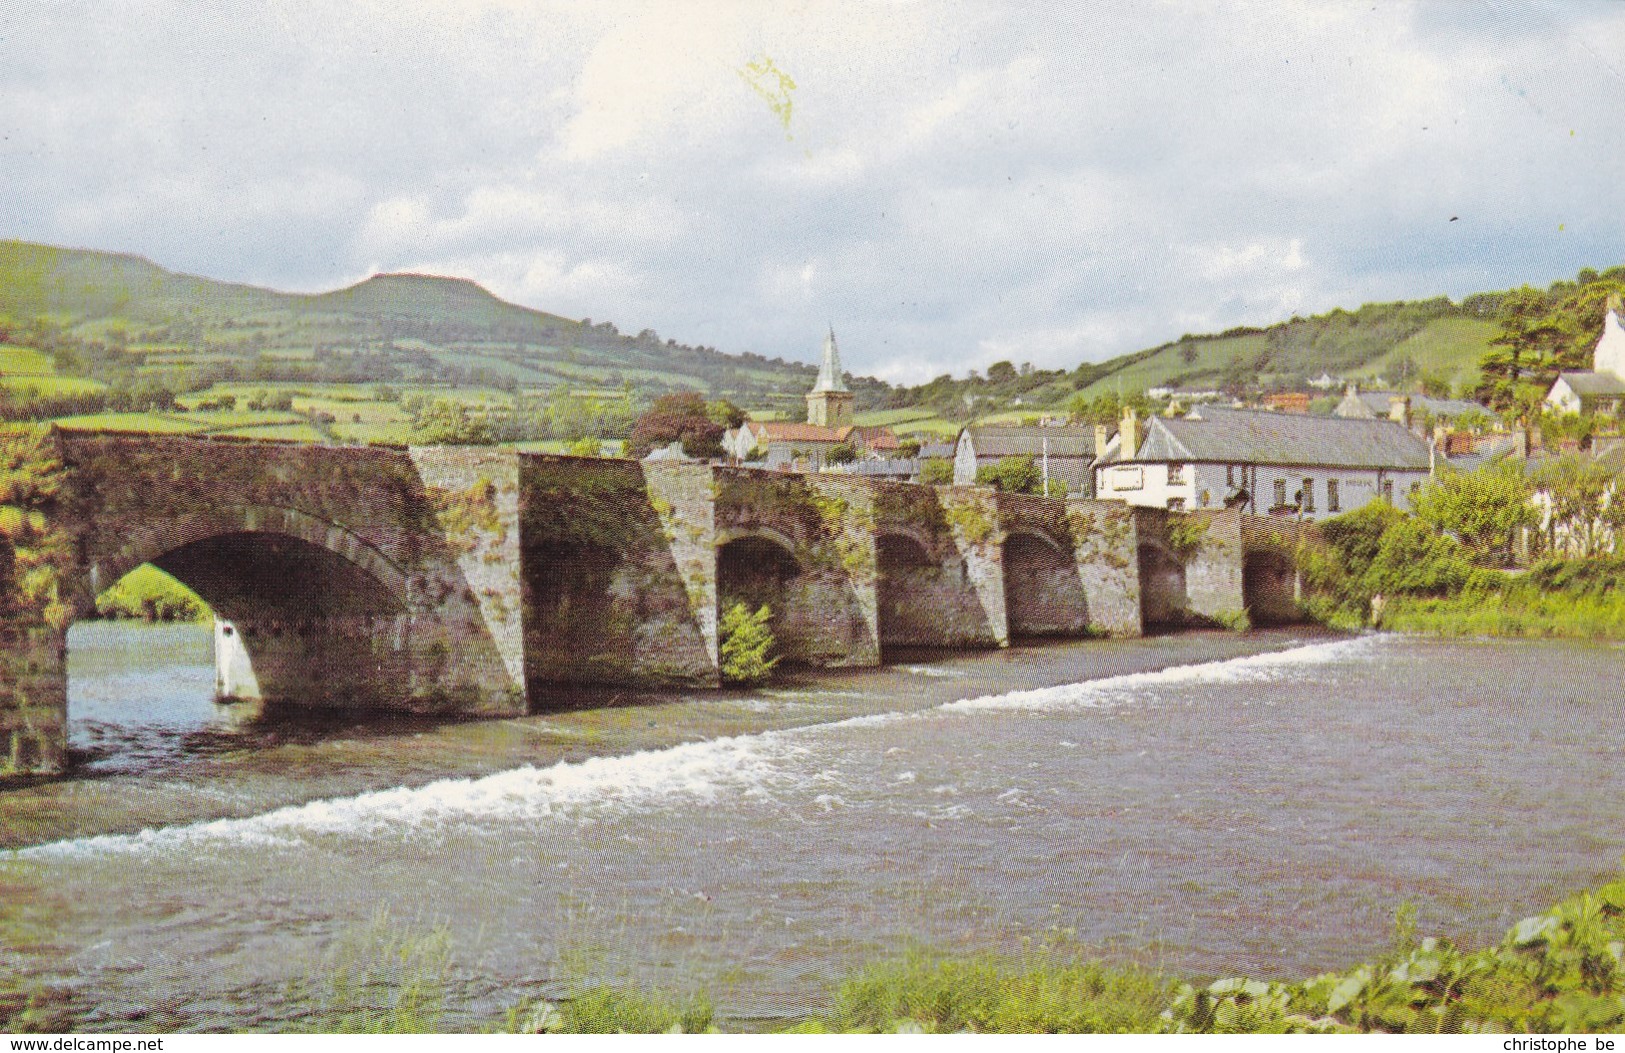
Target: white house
column 1277, row 463
column 1603, row 388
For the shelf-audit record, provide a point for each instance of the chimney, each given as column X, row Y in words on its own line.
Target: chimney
column 1129, row 429
column 1399, row 410
column 1103, row 438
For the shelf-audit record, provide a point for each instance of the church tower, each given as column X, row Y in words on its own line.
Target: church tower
column 829, row 403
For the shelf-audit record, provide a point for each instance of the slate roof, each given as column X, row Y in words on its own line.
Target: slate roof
column 1594, row 383
column 994, row 441
column 1379, row 403
column 1251, row 437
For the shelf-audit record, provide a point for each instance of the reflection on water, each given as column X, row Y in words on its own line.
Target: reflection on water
column 1179, row 801
column 128, row 715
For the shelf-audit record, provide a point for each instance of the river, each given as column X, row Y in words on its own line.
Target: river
column 1210, row 803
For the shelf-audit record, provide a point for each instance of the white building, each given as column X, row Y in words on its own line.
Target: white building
column 1602, row 389
column 1278, row 463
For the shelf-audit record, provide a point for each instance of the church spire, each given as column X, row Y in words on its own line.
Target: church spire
column 829, row 375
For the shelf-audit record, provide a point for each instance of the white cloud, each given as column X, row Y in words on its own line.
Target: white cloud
column 956, row 185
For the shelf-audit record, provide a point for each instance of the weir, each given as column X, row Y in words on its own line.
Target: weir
column 473, row 580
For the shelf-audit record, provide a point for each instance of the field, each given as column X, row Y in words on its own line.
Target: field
column 24, row 369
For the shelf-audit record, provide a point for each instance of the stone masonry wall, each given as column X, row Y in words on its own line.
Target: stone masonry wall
column 927, row 596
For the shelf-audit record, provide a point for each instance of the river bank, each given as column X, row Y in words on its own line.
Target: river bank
column 1560, row 971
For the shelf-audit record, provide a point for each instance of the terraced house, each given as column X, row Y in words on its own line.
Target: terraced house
column 1277, row 463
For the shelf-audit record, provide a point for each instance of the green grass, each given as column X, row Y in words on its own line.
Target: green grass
column 280, row 432
column 154, row 423
column 225, row 420
column 1450, row 347
column 149, row 594
column 894, row 417
column 1517, row 613
column 1213, row 356
column 993, row 994
column 51, row 384
column 15, row 359
column 932, row 428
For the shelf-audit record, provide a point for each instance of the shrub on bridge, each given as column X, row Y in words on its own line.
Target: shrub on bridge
column 745, row 644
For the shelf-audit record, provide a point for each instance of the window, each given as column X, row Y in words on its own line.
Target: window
column 1127, row 478
column 1331, row 496
column 1307, row 499
column 1176, row 504
column 1280, row 493
column 1387, row 490
column 1230, row 475
column 1206, row 497
column 1176, row 475
column 1416, row 488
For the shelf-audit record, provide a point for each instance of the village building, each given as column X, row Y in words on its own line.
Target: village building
column 1062, row 453
column 1261, row 462
column 1375, row 405
column 1288, row 402
column 1602, row 390
column 789, row 445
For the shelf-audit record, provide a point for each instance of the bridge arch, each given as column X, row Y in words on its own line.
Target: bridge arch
column 756, row 567
column 909, row 577
column 308, row 611
column 1164, row 597
column 1043, row 592
column 1269, row 587
column 151, row 542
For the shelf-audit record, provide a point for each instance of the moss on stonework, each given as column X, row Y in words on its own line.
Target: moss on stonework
column 972, row 522
column 598, row 504
column 34, row 554
column 468, row 515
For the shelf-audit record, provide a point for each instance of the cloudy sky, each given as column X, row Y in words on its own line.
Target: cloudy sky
column 949, row 184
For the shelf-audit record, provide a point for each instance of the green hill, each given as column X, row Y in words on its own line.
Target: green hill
column 120, row 320
column 1398, row 342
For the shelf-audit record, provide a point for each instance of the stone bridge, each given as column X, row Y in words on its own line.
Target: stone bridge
column 481, row 581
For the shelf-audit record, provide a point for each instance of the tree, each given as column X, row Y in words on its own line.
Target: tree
column 745, row 642
column 1484, row 509
column 1001, row 373
column 1435, row 385
column 908, row 448
column 841, row 453
column 445, row 422
column 1579, row 492
column 679, row 417
column 936, row 471
column 1018, row 475
column 1526, row 352
column 725, row 413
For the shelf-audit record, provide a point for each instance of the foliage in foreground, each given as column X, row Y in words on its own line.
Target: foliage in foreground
column 745, row 642
column 1560, row 971
column 1432, row 581
column 607, row 1011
